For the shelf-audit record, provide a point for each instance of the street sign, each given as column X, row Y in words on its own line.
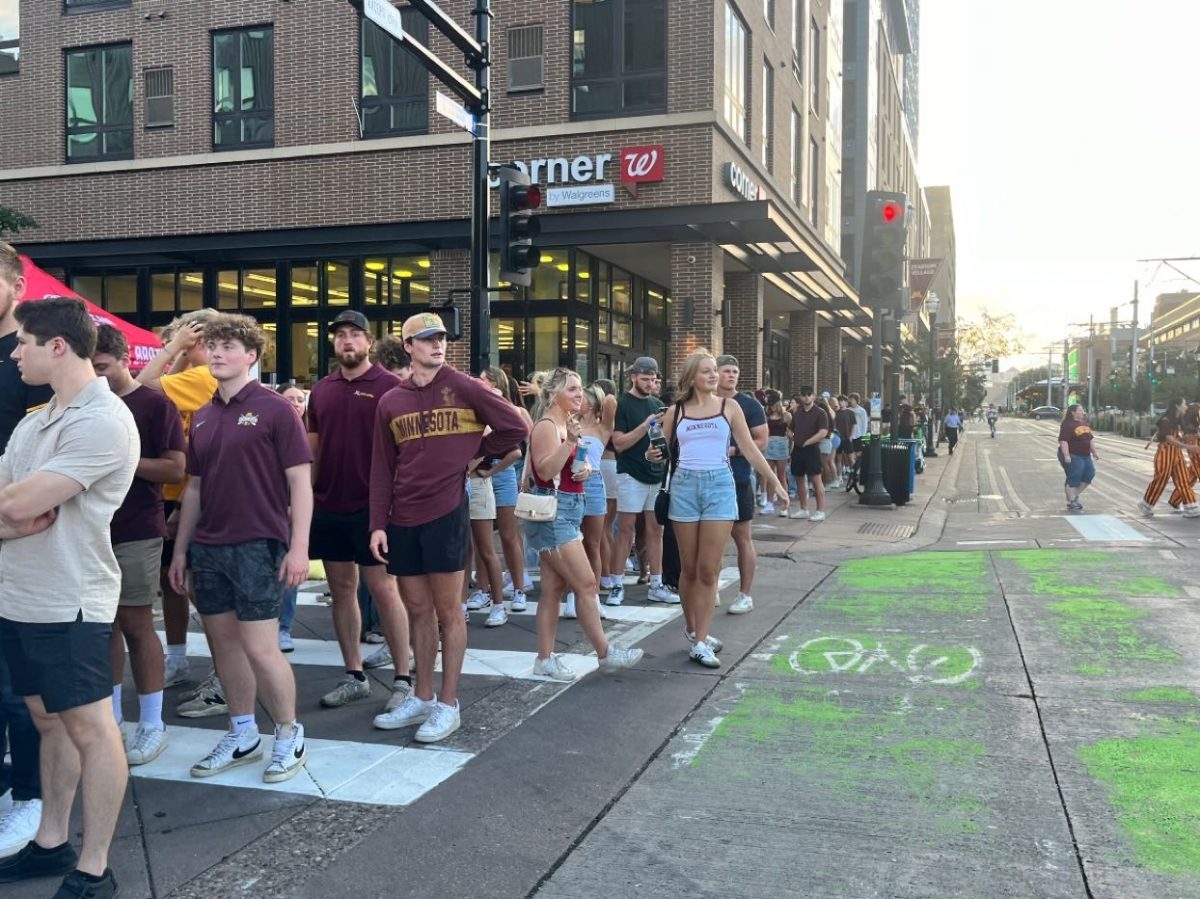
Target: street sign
column 386, row 16
column 455, row 112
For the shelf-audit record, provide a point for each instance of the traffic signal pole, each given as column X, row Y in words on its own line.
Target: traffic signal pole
column 481, row 276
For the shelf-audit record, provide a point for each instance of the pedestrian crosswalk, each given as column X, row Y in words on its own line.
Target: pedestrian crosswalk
column 348, row 760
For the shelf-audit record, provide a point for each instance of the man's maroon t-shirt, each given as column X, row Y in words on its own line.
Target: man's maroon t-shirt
column 241, row 452
column 342, row 414
column 806, row 424
column 1078, row 435
column 161, row 429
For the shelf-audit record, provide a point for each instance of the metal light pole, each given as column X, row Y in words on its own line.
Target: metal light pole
column 932, row 303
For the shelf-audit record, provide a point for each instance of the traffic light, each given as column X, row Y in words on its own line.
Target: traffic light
column 518, row 225
column 885, row 231
column 995, row 366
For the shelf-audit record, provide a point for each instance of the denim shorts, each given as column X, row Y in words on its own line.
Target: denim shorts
column 826, row 446
column 1080, row 469
column 504, row 484
column 242, row 578
column 777, row 449
column 703, row 495
column 595, row 498
column 542, row 536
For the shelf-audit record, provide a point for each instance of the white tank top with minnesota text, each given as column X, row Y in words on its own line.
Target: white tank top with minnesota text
column 703, row 442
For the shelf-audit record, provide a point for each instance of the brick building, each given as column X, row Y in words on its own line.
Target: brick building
column 285, row 159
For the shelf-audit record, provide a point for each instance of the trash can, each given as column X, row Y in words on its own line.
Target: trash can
column 898, row 470
column 916, row 449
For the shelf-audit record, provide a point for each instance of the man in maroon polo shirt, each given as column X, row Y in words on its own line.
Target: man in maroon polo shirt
column 429, row 434
column 341, row 424
column 250, row 463
column 138, row 529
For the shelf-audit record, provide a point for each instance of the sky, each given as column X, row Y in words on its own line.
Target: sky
column 1066, row 132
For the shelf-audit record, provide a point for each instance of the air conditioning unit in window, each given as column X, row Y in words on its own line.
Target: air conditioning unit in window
column 160, row 97
column 526, row 58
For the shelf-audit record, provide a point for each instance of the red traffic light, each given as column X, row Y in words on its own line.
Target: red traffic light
column 892, row 211
column 525, row 197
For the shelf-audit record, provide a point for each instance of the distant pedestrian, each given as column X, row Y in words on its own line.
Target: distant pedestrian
column 1170, row 464
column 1076, row 454
column 66, row 470
column 953, row 424
column 810, row 425
column 779, row 446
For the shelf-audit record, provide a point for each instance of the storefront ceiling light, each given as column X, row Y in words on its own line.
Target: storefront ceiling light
column 585, row 275
column 562, row 267
column 423, row 263
column 402, row 273
column 375, row 266
column 547, row 258
column 422, row 288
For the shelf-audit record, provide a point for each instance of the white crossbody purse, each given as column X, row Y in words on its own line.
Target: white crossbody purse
column 537, row 506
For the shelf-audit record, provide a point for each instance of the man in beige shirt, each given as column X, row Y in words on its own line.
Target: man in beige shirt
column 65, row 472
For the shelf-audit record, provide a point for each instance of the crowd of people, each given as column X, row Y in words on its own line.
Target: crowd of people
column 190, row 485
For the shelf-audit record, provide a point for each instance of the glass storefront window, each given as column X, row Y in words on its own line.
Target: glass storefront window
column 268, row 367
column 304, row 353
column 162, row 292
column 583, row 334
column 549, row 335
column 622, row 331
column 120, row 294
column 583, row 278
column 602, row 282
column 376, row 286
column 304, row 286
column 622, row 292
column 396, row 279
column 227, row 290
column 90, row 287
column 549, row 282
column 337, row 283
column 191, row 291
column 259, row 289
column 603, row 329
column 656, row 307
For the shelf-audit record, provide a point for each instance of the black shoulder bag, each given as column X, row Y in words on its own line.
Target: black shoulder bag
column 662, row 502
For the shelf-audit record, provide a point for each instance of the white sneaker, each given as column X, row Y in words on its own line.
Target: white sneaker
column 208, row 701
column 568, row 610
column 286, row 644
column 379, row 658
column 1191, row 511
column 741, row 605
column 497, row 617
column 817, row 516
column 616, row 596
column 288, row 754
column 19, row 825
column 714, row 642
column 443, row 720
column 619, row 657
column 232, row 750
column 508, row 585
column 146, row 745
column 1146, row 509
column 783, row 513
column 479, row 600
column 400, row 692
column 703, row 653
column 663, row 593
column 800, row 512
column 768, row 508
column 835, row 484
column 518, row 600
column 554, row 668
column 410, row 710
column 176, row 672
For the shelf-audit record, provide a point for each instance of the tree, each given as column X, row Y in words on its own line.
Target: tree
column 992, row 337
column 13, row 222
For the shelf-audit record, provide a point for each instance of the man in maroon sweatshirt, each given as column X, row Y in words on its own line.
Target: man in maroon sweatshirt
column 429, row 433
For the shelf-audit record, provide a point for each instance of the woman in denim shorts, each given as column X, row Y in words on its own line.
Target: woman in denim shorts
column 595, row 430
column 504, row 484
column 703, row 496
column 608, row 471
column 558, row 542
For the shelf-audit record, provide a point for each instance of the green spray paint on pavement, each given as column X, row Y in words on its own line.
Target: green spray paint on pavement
column 1102, row 631
column 1164, row 694
column 1067, row 573
column 1154, row 784
column 895, row 657
column 959, row 573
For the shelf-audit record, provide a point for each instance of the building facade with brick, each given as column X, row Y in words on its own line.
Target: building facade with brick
column 286, row 160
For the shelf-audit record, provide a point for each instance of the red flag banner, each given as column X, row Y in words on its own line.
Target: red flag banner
column 921, row 274
column 143, row 344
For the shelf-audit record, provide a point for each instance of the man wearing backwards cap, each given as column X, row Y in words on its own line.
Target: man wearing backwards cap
column 341, row 424
column 429, row 434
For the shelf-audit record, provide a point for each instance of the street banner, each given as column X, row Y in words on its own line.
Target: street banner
column 143, row 345
column 921, row 274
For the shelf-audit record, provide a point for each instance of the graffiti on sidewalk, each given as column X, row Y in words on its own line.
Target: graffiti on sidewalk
column 920, row 663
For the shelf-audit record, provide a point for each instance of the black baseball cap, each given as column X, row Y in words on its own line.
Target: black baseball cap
column 350, row 317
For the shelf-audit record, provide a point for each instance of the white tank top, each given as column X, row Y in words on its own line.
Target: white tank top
column 704, row 442
column 594, row 448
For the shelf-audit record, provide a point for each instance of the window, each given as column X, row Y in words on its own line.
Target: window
column 10, row 36
column 814, row 180
column 396, row 280
column 395, row 88
column 814, row 57
column 797, row 37
column 243, row 88
column 72, row 5
column 100, row 103
column 160, row 97
column 618, row 57
column 794, row 181
column 769, row 12
column 768, row 116
column 526, row 58
column 735, row 73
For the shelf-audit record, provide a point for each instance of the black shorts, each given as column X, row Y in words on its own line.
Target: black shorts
column 857, row 444
column 341, row 538
column 806, row 461
column 168, row 545
column 67, row 664
column 745, row 501
column 242, row 578
column 438, row 547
